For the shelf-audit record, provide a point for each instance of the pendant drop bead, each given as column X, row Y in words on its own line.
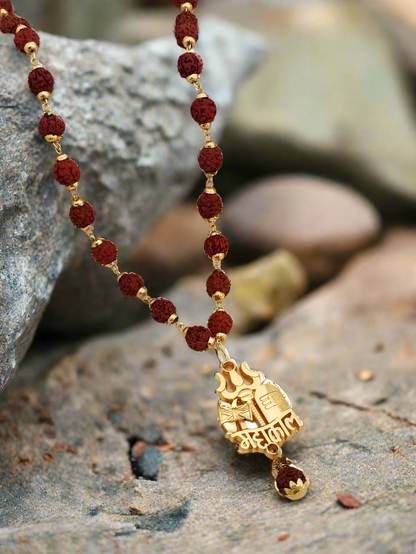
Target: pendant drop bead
column 130, row 284
column 67, row 172
column 218, row 281
column 104, row 253
column 197, row 338
column 82, row 216
column 216, row 244
column 203, row 110
column 11, row 22
column 41, row 80
column 190, row 64
column 186, row 25
column 25, row 36
column 210, row 159
column 162, row 309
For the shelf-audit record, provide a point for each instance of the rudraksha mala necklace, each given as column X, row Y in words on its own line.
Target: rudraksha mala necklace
column 254, row 412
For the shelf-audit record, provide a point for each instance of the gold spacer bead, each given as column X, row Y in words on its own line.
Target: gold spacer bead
column 189, row 43
column 218, row 296
column 3, row 13
column 142, row 293
column 194, row 78
column 173, row 319
column 205, row 126
column 45, row 95
column 89, row 231
column 187, row 7
column 97, row 242
column 19, row 28
column 202, row 95
column 30, row 48
column 220, row 337
column 61, row 158
column 53, row 138
column 78, row 202
column 210, row 144
column 182, row 328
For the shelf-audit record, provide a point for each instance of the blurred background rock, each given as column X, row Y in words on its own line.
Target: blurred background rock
column 320, row 144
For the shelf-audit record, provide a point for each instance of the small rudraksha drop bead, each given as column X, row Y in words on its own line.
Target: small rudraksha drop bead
column 51, row 126
column 130, row 284
column 190, row 64
column 209, row 205
column 25, row 36
column 11, row 22
column 203, row 110
column 6, row 5
column 186, row 25
column 162, row 309
column 218, row 281
column 220, row 322
column 197, row 338
column 286, row 475
column 41, row 80
column 180, row 2
column 216, row 244
column 82, row 216
column 210, row 159
column 104, row 253
column 67, row 172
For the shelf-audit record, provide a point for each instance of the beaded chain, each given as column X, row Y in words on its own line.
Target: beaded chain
column 82, row 214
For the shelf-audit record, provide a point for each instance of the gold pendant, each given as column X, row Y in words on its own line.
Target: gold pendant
column 257, row 415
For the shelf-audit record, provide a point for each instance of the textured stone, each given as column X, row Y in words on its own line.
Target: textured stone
column 67, row 426
column 129, row 128
column 322, row 222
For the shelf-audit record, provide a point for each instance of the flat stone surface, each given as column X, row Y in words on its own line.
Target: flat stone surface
column 322, row 222
column 66, row 429
column 129, row 127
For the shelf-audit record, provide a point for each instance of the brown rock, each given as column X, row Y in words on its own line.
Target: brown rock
column 321, row 222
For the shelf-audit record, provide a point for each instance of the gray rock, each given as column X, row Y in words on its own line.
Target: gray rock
column 334, row 101
column 65, row 472
column 148, row 464
column 322, row 222
column 128, row 125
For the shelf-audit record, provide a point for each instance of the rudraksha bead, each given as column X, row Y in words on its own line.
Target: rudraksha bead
column 203, row 110
column 105, row 253
column 11, row 22
column 180, row 2
column 130, row 284
column 216, row 244
column 6, row 5
column 287, row 474
column 82, row 216
column 218, row 281
column 186, row 25
column 25, row 36
column 197, row 338
column 41, row 80
column 190, row 64
column 209, row 205
column 220, row 322
column 210, row 159
column 67, row 172
column 162, row 309
column 51, row 125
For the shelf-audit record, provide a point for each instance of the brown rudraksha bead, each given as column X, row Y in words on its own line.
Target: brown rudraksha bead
column 286, row 474
column 51, row 125
column 25, row 36
column 41, row 80
column 203, row 110
column 67, row 172
column 130, row 284
column 216, row 244
column 210, row 159
column 197, row 338
column 104, row 253
column 11, row 22
column 220, row 322
column 82, row 216
column 190, row 64
column 162, row 309
column 186, row 25
column 209, row 205
column 218, row 281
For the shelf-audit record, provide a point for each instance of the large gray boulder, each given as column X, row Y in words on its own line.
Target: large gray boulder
column 128, row 126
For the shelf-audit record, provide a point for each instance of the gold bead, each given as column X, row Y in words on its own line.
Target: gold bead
column 30, row 48
column 194, row 78
column 19, row 28
column 45, row 95
column 210, row 144
column 97, row 242
column 53, row 138
column 142, row 292
column 3, row 13
column 205, row 126
column 218, row 296
column 187, row 7
column 173, row 319
column 61, row 158
column 78, row 202
column 189, row 43
column 221, row 337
